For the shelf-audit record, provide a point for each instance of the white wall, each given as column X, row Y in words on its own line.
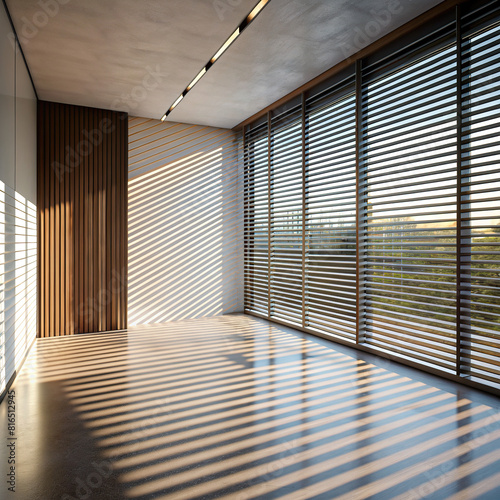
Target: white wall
column 185, row 222
column 18, row 248
column 7, row 102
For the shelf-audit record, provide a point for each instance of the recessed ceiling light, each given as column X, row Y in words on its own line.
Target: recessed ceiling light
column 196, row 78
column 227, row 43
column 236, row 33
column 256, row 10
column 177, row 101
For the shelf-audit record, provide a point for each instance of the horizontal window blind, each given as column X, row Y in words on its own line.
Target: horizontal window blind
column 331, row 213
column 480, row 205
column 372, row 207
column 256, row 231
column 408, row 167
column 286, row 217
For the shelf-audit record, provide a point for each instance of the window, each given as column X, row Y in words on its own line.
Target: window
column 286, row 218
column 409, row 195
column 480, row 202
column 256, row 230
column 372, row 203
column 331, row 214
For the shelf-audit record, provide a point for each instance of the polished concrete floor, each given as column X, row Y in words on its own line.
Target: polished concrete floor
column 237, row 408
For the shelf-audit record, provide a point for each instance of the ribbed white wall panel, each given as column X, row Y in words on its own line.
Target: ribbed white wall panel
column 18, row 266
column 18, row 217
column 185, row 222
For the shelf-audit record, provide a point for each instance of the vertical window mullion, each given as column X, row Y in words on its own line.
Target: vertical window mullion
column 459, row 189
column 269, row 209
column 247, row 221
column 359, row 219
column 304, row 208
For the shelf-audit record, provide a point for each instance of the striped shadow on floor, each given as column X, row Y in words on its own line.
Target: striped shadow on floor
column 235, row 407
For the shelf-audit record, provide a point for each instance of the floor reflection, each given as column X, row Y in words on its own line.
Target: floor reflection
column 234, row 407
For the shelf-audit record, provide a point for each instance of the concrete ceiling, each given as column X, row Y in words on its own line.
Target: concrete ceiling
column 138, row 56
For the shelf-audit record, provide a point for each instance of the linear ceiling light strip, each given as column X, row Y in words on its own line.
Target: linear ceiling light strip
column 236, row 33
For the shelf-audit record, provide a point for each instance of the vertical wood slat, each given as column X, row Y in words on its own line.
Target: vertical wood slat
column 89, row 181
column 77, row 253
column 62, row 217
column 104, row 223
column 81, row 229
column 124, row 219
column 46, row 208
column 114, row 223
column 70, row 298
column 64, row 236
column 52, row 232
column 40, row 228
column 85, row 211
column 98, row 236
column 82, row 210
column 108, row 231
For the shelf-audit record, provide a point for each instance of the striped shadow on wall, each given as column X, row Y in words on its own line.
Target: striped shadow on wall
column 185, row 220
column 17, row 280
column 82, row 207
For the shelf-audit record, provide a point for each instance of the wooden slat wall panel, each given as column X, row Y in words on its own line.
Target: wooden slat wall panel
column 82, row 215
